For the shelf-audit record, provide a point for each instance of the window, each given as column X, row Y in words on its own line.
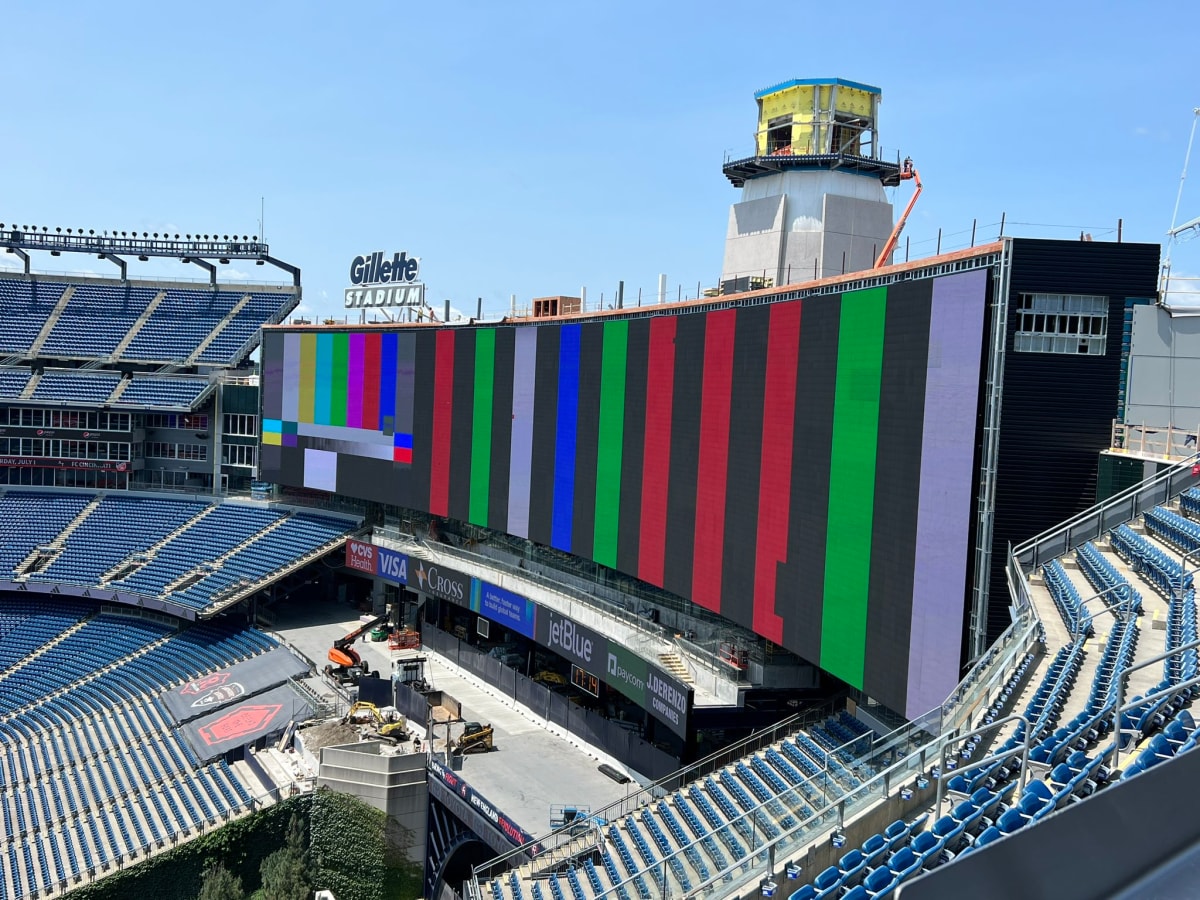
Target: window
column 197, row 422
column 161, row 450
column 240, row 455
column 241, row 425
column 1061, row 323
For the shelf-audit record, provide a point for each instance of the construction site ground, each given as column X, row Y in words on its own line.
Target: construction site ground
column 535, row 764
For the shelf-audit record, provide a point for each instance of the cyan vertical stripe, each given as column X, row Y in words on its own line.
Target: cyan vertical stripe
column 945, row 506
column 387, row 383
column 291, row 377
column 564, row 437
column 323, row 383
column 354, row 379
column 524, row 362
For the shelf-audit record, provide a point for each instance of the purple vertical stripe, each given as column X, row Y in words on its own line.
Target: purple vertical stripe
column 946, row 504
column 354, row 387
column 291, row 377
column 524, row 357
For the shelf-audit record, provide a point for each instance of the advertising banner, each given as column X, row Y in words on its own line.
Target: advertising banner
column 515, row 834
column 440, row 581
column 360, row 556
column 509, row 609
column 570, row 640
column 661, row 695
column 50, row 462
column 391, row 566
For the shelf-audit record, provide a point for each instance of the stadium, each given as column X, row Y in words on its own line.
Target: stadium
column 842, row 586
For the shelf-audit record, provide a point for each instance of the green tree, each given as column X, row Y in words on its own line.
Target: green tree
column 284, row 877
column 220, row 884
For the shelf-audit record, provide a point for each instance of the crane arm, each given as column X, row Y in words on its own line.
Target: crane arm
column 910, row 171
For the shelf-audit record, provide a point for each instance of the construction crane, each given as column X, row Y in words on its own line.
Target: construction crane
column 348, row 666
column 907, row 172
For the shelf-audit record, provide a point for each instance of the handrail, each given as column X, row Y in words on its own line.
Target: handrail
column 1091, row 523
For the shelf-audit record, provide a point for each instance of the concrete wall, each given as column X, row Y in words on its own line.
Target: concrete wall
column 394, row 784
column 1164, row 369
column 794, row 226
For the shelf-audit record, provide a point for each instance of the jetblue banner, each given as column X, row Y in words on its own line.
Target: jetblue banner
column 504, row 607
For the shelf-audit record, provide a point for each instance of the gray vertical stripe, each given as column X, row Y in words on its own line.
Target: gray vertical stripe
column 525, row 355
column 291, row 377
column 406, row 368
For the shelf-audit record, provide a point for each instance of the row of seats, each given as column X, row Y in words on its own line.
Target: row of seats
column 163, row 392
column 1189, row 502
column 1180, row 532
column 1150, row 562
column 1104, row 577
column 1066, row 599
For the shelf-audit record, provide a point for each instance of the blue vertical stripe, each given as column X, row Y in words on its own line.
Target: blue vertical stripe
column 387, row 379
column 564, row 437
column 323, row 388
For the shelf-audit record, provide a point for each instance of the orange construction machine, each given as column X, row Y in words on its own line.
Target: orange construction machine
column 347, row 666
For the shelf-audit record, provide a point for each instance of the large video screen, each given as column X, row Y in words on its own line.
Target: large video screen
column 805, row 468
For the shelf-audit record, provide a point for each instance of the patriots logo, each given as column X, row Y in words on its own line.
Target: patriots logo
column 204, row 683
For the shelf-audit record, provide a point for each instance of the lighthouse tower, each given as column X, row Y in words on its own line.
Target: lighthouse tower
column 812, row 202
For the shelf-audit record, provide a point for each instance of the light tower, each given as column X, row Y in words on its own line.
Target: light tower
column 812, row 201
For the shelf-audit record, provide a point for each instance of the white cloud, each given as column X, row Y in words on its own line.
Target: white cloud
column 228, row 274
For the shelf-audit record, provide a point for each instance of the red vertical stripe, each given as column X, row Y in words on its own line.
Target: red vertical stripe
column 370, row 401
column 656, row 461
column 713, row 465
column 775, row 474
column 443, row 401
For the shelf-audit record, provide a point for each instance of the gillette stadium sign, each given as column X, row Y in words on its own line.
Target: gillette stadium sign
column 378, row 281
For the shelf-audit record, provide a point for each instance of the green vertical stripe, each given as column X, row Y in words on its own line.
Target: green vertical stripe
column 481, row 424
column 341, row 375
column 308, row 377
column 852, row 483
column 610, row 441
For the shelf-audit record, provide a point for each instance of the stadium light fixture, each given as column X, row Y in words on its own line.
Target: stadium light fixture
column 223, row 261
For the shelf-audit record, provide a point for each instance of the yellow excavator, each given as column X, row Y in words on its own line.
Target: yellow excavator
column 392, row 731
column 476, row 738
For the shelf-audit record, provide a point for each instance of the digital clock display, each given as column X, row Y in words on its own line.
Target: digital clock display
column 585, row 681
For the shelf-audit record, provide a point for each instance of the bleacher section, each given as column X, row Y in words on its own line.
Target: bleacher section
column 24, row 307
column 92, row 774
column 13, row 381
column 87, row 388
column 150, row 546
column 97, row 316
column 712, row 830
column 162, row 392
column 95, row 319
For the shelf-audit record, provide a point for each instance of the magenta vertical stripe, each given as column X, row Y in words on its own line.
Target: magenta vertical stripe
column 355, row 368
column 945, row 503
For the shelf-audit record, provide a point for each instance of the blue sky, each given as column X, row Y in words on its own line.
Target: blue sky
column 530, row 149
